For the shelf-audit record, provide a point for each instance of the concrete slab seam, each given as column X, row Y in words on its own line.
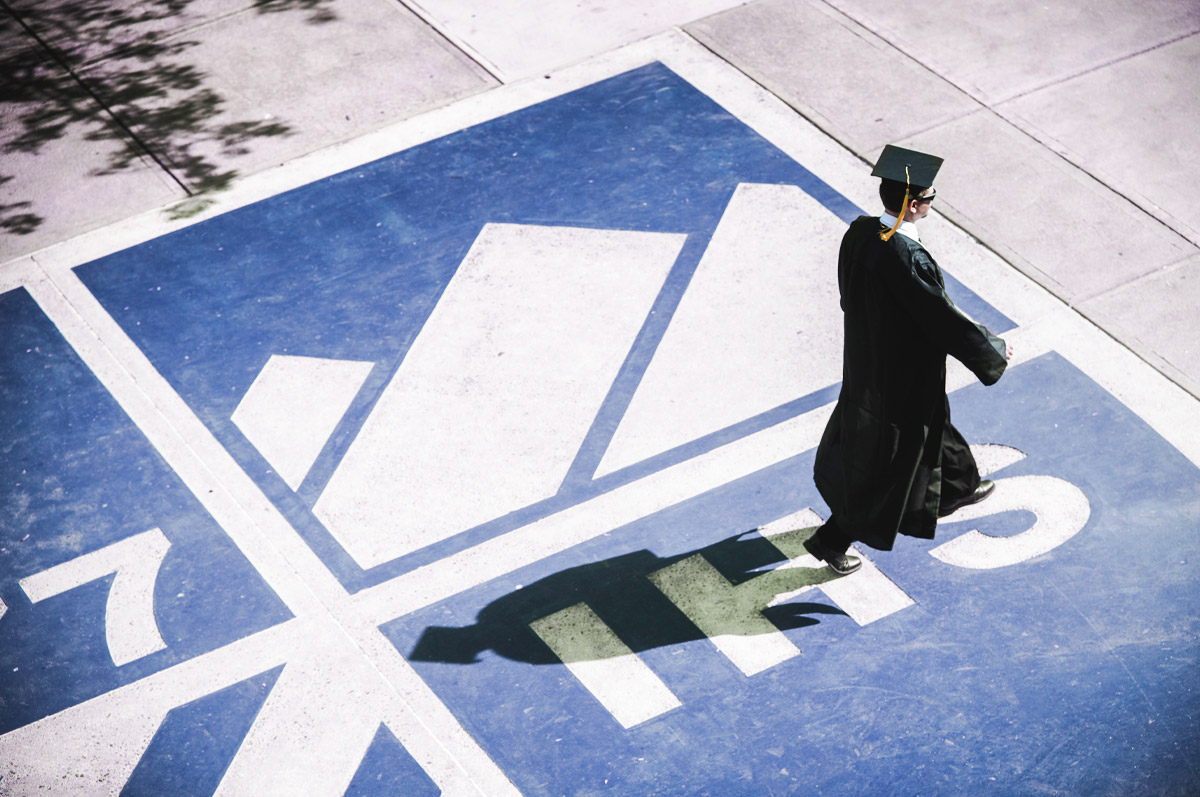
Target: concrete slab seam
column 144, row 152
column 958, row 219
column 1036, row 135
column 455, row 41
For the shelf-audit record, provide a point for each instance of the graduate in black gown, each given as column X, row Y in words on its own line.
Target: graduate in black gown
column 890, row 462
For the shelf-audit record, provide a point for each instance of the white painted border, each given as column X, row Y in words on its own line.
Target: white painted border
column 679, row 52
column 17, row 273
column 421, row 721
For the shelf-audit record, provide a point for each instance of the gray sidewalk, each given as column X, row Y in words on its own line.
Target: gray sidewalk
column 1068, row 128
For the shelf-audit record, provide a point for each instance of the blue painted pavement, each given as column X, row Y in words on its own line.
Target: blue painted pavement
column 1069, row 666
column 76, row 476
column 350, row 267
column 1074, row 672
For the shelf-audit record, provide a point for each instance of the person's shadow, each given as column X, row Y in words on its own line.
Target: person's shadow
column 622, row 592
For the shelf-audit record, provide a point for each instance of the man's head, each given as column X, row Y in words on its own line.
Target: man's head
column 892, row 194
column 905, row 176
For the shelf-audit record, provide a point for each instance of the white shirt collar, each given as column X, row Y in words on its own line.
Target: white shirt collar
column 907, row 229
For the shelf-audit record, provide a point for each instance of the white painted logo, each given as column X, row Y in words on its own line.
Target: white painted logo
column 484, row 417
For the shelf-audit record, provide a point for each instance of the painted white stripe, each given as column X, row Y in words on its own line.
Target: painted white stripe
column 16, row 273
column 187, row 446
column 422, row 723
column 758, row 326
column 805, row 519
column 92, row 748
column 605, row 665
column 294, row 405
column 312, row 732
column 582, row 522
column 731, row 616
column 494, row 398
column 129, row 623
column 440, row 580
column 866, row 595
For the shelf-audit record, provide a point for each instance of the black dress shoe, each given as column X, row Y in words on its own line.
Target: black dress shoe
column 839, row 563
column 985, row 488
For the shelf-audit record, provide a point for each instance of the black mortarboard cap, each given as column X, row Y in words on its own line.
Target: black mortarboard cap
column 921, row 168
column 913, row 169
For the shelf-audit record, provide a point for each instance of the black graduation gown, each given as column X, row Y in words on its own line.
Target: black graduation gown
column 879, row 464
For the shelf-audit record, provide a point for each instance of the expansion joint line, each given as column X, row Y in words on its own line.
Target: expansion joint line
column 91, row 93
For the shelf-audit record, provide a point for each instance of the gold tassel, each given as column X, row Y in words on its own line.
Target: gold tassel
column 883, row 236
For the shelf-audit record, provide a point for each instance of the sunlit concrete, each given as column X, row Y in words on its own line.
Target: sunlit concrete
column 67, row 166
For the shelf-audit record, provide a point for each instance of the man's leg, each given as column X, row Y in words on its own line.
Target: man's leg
column 960, row 474
column 961, row 484
column 829, row 544
column 833, row 537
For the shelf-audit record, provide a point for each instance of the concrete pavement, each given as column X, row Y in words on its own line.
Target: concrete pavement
column 1083, row 111
column 286, row 263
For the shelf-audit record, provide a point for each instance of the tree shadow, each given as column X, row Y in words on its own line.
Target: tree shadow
column 114, row 71
column 622, row 593
column 13, row 217
column 318, row 10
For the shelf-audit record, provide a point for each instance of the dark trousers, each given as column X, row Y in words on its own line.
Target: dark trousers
column 960, row 474
column 960, row 478
column 832, row 536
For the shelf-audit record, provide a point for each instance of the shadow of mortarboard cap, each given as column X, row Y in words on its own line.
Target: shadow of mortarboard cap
column 921, row 167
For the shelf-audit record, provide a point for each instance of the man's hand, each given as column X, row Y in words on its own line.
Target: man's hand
column 1008, row 353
